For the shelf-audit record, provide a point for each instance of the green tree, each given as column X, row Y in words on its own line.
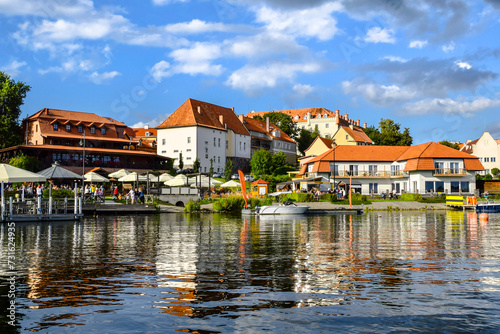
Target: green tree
column 305, row 139
column 169, row 165
column 12, row 95
column 196, row 166
column 282, row 121
column 261, row 163
column 278, row 160
column 447, row 143
column 25, row 162
column 389, row 134
column 181, row 163
column 495, row 171
column 228, row 169
column 211, row 166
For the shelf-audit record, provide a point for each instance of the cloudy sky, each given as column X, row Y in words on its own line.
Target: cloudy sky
column 430, row 65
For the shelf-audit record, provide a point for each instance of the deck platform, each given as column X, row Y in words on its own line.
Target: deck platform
column 119, row 209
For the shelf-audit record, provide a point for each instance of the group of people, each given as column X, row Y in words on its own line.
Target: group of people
column 93, row 192
column 135, row 195
column 392, row 195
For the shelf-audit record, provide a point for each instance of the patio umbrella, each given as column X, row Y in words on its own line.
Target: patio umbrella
column 165, row 177
column 94, row 177
column 58, row 172
column 13, row 174
column 230, row 184
column 133, row 177
column 179, row 180
column 154, row 178
column 203, row 179
column 118, row 174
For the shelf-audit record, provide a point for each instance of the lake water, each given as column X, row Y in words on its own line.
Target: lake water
column 380, row 272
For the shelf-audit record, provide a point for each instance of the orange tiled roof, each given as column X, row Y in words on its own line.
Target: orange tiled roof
column 433, row 150
column 321, row 167
column 420, row 164
column 141, row 132
column 194, row 112
column 65, row 115
column 328, row 142
column 260, row 181
column 260, row 126
column 473, row 164
column 303, row 169
column 357, row 134
column 362, row 153
column 88, row 150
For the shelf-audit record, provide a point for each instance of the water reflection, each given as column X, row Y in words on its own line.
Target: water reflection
column 210, row 272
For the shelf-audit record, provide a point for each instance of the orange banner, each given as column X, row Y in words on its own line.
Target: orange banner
column 243, row 187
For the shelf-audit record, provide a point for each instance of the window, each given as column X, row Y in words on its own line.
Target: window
column 92, row 129
column 176, row 151
column 372, row 170
column 163, row 151
column 80, row 128
column 429, row 186
column 189, row 140
column 214, row 141
column 334, row 168
column 346, row 137
column 455, row 187
column 188, row 150
column 353, row 170
column 439, row 186
column 218, row 143
column 240, row 146
column 218, row 159
column 493, row 159
column 487, row 159
column 103, row 131
column 56, row 126
column 244, row 146
column 454, row 168
column 373, row 187
column 68, row 127
column 188, row 158
column 163, row 141
column 327, row 125
column 464, row 186
column 227, row 144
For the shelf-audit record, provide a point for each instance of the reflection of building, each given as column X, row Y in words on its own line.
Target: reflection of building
column 204, row 131
column 325, row 121
column 61, row 135
column 487, row 149
column 429, row 167
column 267, row 136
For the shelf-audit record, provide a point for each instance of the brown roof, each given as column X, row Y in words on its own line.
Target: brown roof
column 260, row 126
column 357, row 134
column 302, row 113
column 260, row 181
column 65, row 115
column 194, row 112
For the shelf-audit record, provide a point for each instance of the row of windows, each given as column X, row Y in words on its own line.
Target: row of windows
column 488, row 159
column 55, row 126
column 438, row 186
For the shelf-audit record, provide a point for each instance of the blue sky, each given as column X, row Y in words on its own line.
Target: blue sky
column 430, row 65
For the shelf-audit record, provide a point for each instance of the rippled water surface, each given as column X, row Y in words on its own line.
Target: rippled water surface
column 381, row 272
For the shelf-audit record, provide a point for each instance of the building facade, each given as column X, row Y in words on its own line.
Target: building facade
column 425, row 168
column 487, row 149
column 204, row 131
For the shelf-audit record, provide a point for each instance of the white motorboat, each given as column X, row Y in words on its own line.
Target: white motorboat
column 286, row 208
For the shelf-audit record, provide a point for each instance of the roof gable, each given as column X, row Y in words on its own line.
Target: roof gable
column 257, row 125
column 357, row 134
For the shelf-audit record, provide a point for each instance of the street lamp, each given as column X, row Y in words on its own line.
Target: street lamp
column 334, row 167
column 82, row 143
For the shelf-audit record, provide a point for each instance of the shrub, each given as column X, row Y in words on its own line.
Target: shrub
column 411, row 197
column 301, row 197
column 231, row 203
column 254, row 201
column 435, row 199
column 59, row 193
column 192, row 206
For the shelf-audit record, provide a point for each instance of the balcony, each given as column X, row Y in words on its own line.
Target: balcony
column 450, row 172
column 371, row 174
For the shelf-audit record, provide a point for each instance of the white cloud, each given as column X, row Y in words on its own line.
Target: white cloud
column 160, row 70
column 196, row 27
column 449, row 106
column 395, row 59
column 13, row 69
column 301, row 91
column 100, row 78
column 449, row 47
column 197, row 59
column 378, row 35
column 167, row 2
column 253, row 78
column 379, row 94
column 311, row 22
column 463, row 65
column 418, row 44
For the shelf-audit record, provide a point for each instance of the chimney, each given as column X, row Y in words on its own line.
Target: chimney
column 346, row 117
column 351, row 126
column 308, row 118
column 267, row 124
column 241, row 118
column 146, row 126
column 365, row 125
column 358, row 122
column 221, row 119
column 199, row 110
column 232, row 109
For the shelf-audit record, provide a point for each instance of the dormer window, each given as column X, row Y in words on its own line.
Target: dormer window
column 103, row 131
column 325, row 116
column 92, row 129
column 296, row 117
column 148, row 134
column 55, row 126
column 80, row 128
column 68, row 127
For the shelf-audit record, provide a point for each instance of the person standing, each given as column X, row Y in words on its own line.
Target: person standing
column 115, row 192
column 131, row 193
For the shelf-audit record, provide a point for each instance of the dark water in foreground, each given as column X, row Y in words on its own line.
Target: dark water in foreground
column 382, row 272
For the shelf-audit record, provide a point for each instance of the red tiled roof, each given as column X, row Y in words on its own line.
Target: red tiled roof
column 420, row 164
column 65, row 115
column 194, row 112
column 432, row 150
column 87, row 149
column 141, row 132
column 362, row 153
column 260, row 126
column 473, row 164
column 358, row 135
column 260, row 181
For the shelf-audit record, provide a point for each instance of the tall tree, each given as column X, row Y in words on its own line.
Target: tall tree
column 452, row 145
column 228, row 169
column 282, row 121
column 261, row 163
column 211, row 166
column 196, row 165
column 181, row 163
column 389, row 134
column 12, row 95
column 305, row 139
column 25, row 162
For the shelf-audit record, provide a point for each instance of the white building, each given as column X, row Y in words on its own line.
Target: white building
column 487, row 149
column 205, row 131
column 423, row 168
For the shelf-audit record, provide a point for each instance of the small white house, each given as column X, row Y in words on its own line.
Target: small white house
column 205, row 131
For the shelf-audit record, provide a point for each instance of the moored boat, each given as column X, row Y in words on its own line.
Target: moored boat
column 286, row 208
